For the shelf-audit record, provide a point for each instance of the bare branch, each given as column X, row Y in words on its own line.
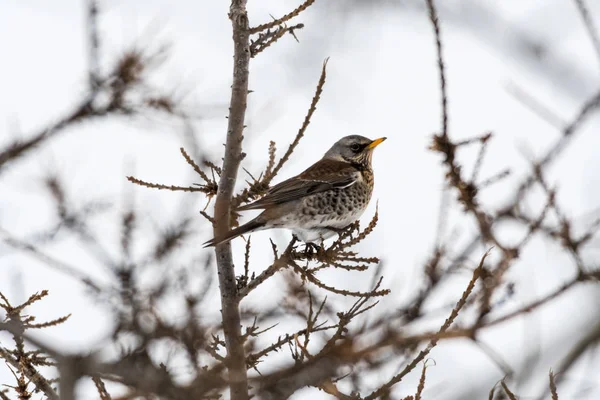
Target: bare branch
column 459, row 305
column 510, row 394
column 94, row 45
column 285, row 18
column 269, row 37
column 553, row 386
column 61, row 266
column 236, row 359
column 433, row 17
column 160, row 186
column 32, row 374
column 260, row 187
column 590, row 26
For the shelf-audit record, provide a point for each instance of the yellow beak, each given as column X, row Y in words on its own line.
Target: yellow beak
column 376, row 143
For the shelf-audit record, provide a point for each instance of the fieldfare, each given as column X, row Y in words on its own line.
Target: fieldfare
column 327, row 197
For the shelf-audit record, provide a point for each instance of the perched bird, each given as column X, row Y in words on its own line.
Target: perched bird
column 328, row 196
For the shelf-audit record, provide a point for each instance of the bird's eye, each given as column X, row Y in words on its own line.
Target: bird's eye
column 355, row 147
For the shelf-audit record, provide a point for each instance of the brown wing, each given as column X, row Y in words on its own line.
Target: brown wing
column 321, row 176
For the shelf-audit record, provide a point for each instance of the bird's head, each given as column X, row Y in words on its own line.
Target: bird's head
column 354, row 149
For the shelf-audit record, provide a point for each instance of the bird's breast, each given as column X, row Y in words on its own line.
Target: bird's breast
column 336, row 207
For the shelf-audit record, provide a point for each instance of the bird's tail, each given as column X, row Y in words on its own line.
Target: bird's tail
column 251, row 226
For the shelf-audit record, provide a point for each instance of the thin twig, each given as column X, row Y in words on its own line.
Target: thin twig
column 60, row 266
column 553, row 386
column 285, row 18
column 196, row 167
column 260, row 187
column 433, row 17
column 306, row 122
column 459, row 305
column 94, row 45
column 160, row 186
column 589, row 25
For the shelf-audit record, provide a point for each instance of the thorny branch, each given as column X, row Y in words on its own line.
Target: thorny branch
column 335, row 346
column 259, row 187
column 112, row 94
column 236, row 358
column 267, row 38
column 284, row 19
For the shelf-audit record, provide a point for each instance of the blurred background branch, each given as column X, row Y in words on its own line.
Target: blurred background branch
column 367, row 315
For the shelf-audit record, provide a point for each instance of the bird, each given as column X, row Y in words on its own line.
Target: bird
column 320, row 201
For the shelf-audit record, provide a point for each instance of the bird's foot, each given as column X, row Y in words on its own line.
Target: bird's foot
column 311, row 250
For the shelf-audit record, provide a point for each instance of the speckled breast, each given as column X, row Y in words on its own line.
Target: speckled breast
column 338, row 207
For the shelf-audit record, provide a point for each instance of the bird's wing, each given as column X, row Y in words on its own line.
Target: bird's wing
column 323, row 175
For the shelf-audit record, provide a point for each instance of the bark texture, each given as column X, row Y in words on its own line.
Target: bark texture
column 236, row 359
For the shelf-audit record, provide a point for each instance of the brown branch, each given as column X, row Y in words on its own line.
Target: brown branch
column 309, row 276
column 23, row 361
column 470, row 331
column 543, row 300
column 270, row 37
column 510, row 394
column 307, row 118
column 272, row 151
column 208, row 217
column 433, row 17
column 279, row 263
column 259, row 187
column 48, row 324
column 281, row 341
column 193, row 164
column 330, row 388
column 101, row 388
column 285, row 383
column 421, row 386
column 160, row 186
column 236, row 358
column 31, row 373
column 362, row 235
column 459, row 305
column 553, row 386
column 568, row 132
column 319, row 368
column 279, row 21
column 20, row 148
column 127, row 74
column 136, row 370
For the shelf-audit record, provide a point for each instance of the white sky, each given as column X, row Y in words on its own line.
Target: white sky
column 382, row 81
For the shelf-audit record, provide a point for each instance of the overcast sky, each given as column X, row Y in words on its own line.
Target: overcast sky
column 382, row 81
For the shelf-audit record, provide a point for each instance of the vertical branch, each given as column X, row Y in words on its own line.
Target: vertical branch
column 433, row 17
column 444, row 201
column 236, row 360
column 94, row 44
column 68, row 380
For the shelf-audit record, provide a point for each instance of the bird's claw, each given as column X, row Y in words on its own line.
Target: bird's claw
column 311, row 250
